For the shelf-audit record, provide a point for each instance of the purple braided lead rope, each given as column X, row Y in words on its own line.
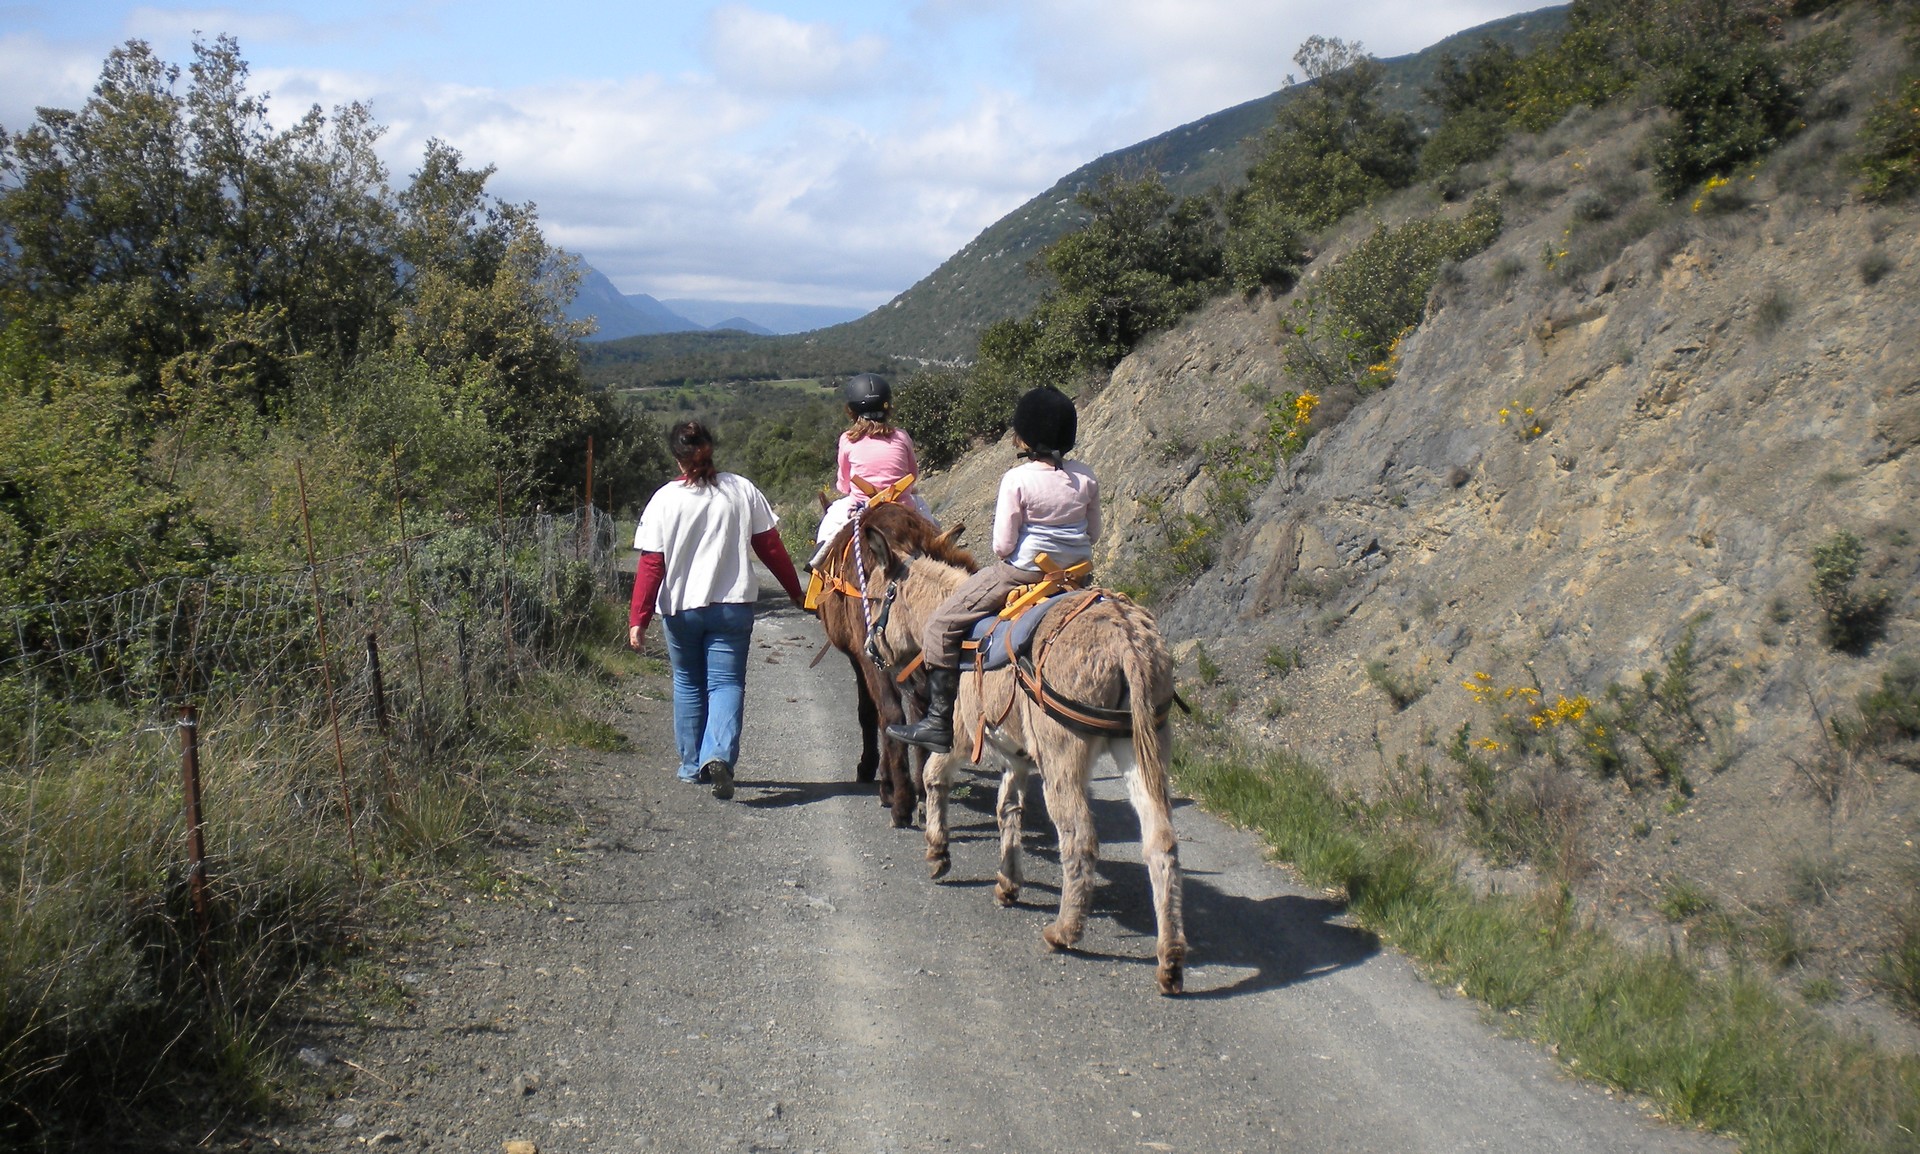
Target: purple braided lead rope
column 860, row 568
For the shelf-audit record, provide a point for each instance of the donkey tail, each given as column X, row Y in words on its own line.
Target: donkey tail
column 1149, row 752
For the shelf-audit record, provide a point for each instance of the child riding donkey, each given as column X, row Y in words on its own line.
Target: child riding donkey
column 1049, row 507
column 874, row 457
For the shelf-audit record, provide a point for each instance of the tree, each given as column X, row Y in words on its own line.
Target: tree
column 1141, row 262
column 1475, row 97
column 1332, row 148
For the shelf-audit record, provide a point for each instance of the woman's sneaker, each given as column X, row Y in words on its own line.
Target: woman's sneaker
column 722, row 775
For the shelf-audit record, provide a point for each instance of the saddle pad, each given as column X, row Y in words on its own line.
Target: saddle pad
column 1002, row 641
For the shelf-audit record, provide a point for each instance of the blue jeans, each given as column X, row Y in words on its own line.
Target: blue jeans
column 709, row 648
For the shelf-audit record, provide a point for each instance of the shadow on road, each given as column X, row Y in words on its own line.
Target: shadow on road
column 1249, row 945
column 782, row 794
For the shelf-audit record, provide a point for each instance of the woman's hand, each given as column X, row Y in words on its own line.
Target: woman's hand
column 633, row 637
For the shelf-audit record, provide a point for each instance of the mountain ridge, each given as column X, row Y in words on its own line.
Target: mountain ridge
column 939, row 318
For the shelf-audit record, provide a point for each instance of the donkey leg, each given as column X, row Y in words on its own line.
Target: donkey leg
column 1012, row 814
column 1161, row 853
column 938, row 855
column 900, row 793
column 1064, row 763
column 869, row 726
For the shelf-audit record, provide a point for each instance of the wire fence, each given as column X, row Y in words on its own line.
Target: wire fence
column 327, row 713
column 408, row 628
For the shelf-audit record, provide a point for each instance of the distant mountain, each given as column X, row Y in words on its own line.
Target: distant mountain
column 940, row 317
column 767, row 317
column 741, row 325
column 619, row 315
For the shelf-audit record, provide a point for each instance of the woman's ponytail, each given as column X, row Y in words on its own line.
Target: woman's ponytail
column 691, row 444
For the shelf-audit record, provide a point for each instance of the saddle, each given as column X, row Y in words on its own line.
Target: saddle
column 819, row 581
column 996, row 641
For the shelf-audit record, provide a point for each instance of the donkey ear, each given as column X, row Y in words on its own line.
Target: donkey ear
column 952, row 535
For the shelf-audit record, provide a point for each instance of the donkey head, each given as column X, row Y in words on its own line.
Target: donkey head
column 896, row 533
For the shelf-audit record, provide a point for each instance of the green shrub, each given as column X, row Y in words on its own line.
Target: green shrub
column 1812, row 881
column 1681, row 900
column 1474, row 98
column 1888, row 713
column 1141, row 262
column 1283, row 659
column 1729, row 106
column 1347, row 332
column 1403, row 689
column 1204, row 666
column 1772, row 310
column 1889, row 160
column 1853, row 615
column 1265, row 246
column 1334, row 146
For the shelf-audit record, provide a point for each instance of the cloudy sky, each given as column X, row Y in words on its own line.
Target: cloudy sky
column 805, row 151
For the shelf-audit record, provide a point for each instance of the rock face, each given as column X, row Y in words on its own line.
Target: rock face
column 1683, row 426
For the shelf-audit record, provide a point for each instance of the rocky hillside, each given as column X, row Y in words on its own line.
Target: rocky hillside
column 1618, row 451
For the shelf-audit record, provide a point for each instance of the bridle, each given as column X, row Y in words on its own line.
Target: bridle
column 875, row 625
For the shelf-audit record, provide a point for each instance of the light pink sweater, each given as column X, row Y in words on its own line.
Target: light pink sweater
column 879, row 461
column 1047, row 510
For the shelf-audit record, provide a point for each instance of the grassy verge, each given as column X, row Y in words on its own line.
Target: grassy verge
column 119, row 1025
column 1714, row 1050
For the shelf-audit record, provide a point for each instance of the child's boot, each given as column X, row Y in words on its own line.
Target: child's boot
column 935, row 730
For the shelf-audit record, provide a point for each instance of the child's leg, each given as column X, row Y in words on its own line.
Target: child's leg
column 920, row 506
column 834, row 519
column 979, row 595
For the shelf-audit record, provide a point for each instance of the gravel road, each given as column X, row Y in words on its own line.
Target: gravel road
column 777, row 973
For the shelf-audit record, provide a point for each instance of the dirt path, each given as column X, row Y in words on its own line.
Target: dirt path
column 777, row 973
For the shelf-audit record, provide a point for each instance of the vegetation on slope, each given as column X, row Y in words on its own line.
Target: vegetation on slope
column 216, row 336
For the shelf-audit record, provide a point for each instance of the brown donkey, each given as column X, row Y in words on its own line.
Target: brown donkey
column 883, row 699
column 1110, row 656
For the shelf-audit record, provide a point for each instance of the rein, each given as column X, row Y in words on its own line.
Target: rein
column 866, row 601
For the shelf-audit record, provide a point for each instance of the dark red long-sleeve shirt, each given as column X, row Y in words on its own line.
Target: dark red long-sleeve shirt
column 652, row 571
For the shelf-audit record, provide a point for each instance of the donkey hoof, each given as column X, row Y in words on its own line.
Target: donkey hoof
column 1173, row 981
column 1056, row 939
column 938, row 865
column 1006, row 893
column 902, row 820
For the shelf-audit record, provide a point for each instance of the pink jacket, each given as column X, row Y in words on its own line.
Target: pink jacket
column 879, row 461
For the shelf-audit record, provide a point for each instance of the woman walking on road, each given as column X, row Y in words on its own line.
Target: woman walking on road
column 694, row 540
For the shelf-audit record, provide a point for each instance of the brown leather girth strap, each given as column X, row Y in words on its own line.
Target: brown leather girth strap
column 1092, row 720
column 910, row 668
column 980, row 691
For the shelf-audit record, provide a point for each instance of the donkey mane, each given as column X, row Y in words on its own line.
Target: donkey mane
column 913, row 533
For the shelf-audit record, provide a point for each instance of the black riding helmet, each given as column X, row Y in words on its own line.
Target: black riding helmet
column 868, row 395
column 1045, row 419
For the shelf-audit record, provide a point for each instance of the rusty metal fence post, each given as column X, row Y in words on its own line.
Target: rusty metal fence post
column 377, row 683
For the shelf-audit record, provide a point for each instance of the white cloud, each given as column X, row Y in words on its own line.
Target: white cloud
column 170, row 26
column 814, row 162
column 37, row 74
column 1168, row 63
column 767, row 53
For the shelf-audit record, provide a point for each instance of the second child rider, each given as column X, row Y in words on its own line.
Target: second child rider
column 1048, row 505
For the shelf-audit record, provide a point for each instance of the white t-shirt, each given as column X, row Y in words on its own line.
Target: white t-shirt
column 705, row 534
